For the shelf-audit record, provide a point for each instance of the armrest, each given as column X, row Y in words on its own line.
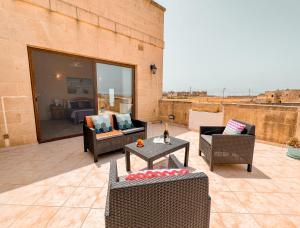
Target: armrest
column 174, row 163
column 113, row 178
column 139, row 123
column 209, row 130
column 113, row 172
column 232, row 142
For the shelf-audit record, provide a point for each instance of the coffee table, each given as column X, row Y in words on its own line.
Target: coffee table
column 152, row 151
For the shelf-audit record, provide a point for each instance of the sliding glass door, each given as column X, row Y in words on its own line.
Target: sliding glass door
column 114, row 88
column 66, row 88
column 63, row 90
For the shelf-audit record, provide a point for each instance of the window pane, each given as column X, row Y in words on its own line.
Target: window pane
column 114, row 88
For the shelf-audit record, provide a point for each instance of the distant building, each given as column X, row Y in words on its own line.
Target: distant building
column 279, row 96
column 185, row 94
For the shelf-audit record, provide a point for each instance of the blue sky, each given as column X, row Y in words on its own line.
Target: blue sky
column 233, row 44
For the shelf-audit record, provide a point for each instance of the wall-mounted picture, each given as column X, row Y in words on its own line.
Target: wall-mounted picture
column 79, row 86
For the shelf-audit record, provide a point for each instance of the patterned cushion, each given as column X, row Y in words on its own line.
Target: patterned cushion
column 102, row 123
column 148, row 174
column 89, row 121
column 234, row 128
column 124, row 121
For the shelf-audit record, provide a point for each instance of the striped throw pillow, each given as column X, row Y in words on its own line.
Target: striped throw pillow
column 234, row 128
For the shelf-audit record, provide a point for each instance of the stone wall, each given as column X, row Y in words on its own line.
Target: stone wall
column 127, row 31
column 180, row 109
column 273, row 123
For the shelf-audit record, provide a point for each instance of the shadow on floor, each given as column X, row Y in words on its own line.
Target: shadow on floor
column 239, row 171
column 48, row 162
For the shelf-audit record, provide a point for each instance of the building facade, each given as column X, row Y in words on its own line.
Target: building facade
column 127, row 33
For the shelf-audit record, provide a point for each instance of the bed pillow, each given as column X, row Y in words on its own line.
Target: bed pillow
column 234, row 128
column 84, row 104
column 74, row 104
column 148, row 174
column 124, row 121
column 102, row 123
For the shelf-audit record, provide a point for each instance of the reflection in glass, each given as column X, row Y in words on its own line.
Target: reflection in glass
column 114, row 88
column 64, row 93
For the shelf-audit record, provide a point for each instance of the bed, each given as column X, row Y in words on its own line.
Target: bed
column 79, row 108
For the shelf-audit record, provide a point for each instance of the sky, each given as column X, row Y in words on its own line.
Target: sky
column 240, row 45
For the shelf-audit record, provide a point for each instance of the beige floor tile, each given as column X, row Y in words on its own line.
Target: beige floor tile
column 294, row 219
column 95, row 219
column 74, row 177
column 216, row 221
column 35, row 216
column 59, row 173
column 226, row 202
column 23, row 195
column 256, row 203
column 68, row 217
column 100, row 201
column 56, row 196
column 238, row 220
column 263, row 185
column 95, row 178
column 274, row 221
column 83, row 197
column 9, row 214
column 240, row 185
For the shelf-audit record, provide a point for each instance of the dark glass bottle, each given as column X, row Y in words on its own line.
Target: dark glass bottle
column 166, row 134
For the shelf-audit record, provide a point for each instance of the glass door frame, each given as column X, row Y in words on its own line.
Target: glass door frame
column 94, row 61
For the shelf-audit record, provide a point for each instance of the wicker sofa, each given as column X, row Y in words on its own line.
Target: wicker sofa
column 227, row 149
column 111, row 141
column 166, row 202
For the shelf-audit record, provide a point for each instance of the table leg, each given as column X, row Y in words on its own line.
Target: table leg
column 127, row 160
column 186, row 157
column 150, row 164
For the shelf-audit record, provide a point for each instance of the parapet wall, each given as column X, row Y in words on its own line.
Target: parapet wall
column 273, row 123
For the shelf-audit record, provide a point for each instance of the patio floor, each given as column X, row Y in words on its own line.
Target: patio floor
column 56, row 185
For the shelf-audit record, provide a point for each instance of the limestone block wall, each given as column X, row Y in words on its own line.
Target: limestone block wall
column 127, row 31
column 273, row 123
column 181, row 110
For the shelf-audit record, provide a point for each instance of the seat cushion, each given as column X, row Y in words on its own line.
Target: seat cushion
column 133, row 130
column 110, row 134
column 148, row 174
column 124, row 121
column 207, row 138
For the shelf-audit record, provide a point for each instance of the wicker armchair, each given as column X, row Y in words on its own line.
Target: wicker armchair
column 166, row 202
column 227, row 149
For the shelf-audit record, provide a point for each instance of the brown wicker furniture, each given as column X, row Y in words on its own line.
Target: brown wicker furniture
column 166, row 202
column 115, row 140
column 152, row 151
column 227, row 149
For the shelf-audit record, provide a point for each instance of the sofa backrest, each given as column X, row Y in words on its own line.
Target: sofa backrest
column 249, row 130
column 140, row 199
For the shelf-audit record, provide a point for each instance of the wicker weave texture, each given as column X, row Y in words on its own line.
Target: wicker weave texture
column 172, row 202
column 227, row 149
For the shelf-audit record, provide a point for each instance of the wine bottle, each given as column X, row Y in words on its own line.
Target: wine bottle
column 166, row 134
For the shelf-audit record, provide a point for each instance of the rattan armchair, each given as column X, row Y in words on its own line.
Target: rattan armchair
column 227, row 149
column 165, row 202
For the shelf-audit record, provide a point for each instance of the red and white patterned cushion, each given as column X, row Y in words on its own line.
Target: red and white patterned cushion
column 148, row 174
column 234, row 128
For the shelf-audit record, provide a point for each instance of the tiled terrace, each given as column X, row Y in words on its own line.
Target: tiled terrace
column 58, row 185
